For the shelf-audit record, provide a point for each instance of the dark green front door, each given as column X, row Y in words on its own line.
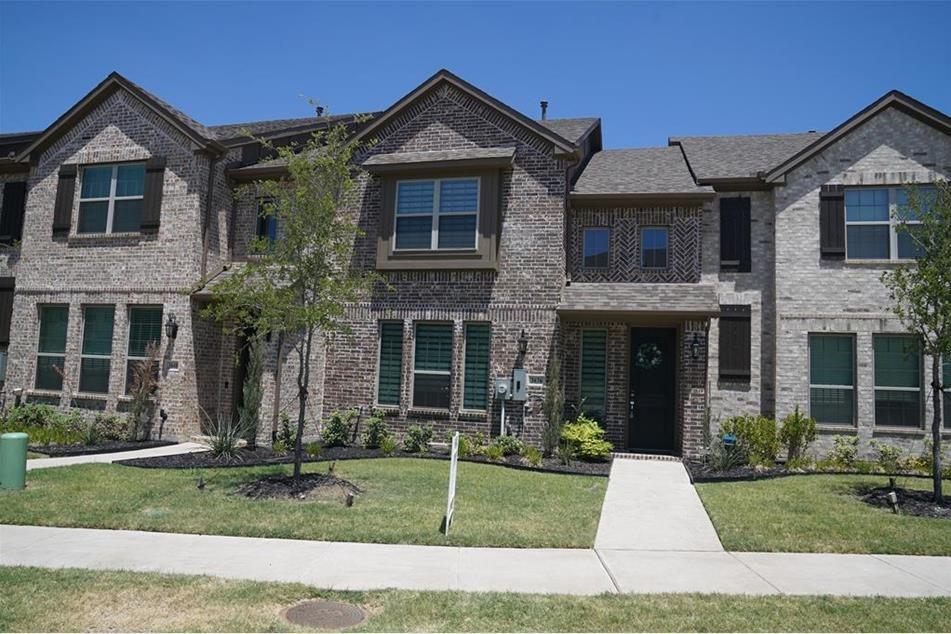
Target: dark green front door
column 653, row 384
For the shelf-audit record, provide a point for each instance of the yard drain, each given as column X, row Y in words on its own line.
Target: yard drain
column 324, row 615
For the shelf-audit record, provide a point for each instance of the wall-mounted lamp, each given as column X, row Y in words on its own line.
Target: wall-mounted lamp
column 522, row 343
column 695, row 347
column 171, row 327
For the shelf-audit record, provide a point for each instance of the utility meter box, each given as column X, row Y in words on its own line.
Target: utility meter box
column 519, row 385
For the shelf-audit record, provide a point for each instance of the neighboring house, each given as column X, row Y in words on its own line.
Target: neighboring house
column 679, row 284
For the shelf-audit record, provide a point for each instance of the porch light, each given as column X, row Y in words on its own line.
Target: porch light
column 695, row 347
column 522, row 343
column 171, row 327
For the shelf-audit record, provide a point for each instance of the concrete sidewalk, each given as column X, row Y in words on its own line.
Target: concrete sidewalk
column 170, row 450
column 353, row 566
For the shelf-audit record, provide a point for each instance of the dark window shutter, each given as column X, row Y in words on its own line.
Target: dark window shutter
column 154, row 182
column 735, row 235
column 11, row 216
column 63, row 207
column 832, row 222
column 734, row 343
column 6, row 308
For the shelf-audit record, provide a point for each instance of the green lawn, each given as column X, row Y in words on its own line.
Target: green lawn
column 404, row 502
column 819, row 513
column 36, row 600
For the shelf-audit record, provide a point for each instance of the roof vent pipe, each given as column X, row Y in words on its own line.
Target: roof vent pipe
column 544, row 109
column 320, row 111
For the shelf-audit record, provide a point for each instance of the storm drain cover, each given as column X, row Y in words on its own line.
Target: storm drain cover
column 324, row 615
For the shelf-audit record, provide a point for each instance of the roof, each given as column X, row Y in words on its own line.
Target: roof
column 633, row 299
column 500, row 156
column 639, row 171
column 572, row 129
column 229, row 131
column 740, row 156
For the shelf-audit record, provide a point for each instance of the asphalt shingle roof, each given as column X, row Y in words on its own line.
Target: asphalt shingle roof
column 620, row 297
column 569, row 129
column 236, row 130
column 653, row 170
column 400, row 158
column 741, row 156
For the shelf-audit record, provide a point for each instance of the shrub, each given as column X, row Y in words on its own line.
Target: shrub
column 532, row 455
column 286, row 435
column 586, row 439
column 279, row 447
column 465, row 446
column 111, row 426
column 799, row 464
column 565, row 452
column 887, row 457
column 844, row 450
column 476, row 442
column 796, row 434
column 510, row 445
column 494, row 452
column 31, row 415
column 388, row 446
column 375, row 430
column 337, row 429
column 417, row 439
column 224, row 436
column 90, row 433
column 755, row 436
column 312, row 449
column 723, row 457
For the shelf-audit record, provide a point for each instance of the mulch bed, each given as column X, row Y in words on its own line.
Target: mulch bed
column 262, row 456
column 60, row 451
column 700, row 472
column 311, row 486
column 910, row 501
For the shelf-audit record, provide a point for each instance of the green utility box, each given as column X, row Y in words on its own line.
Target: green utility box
column 13, row 460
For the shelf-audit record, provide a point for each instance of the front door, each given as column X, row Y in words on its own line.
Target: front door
column 652, row 406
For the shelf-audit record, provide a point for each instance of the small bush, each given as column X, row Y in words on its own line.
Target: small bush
column 224, row 436
column 887, row 457
column 31, row 415
column 417, row 439
column 465, row 446
column 844, row 450
column 312, row 449
column 338, row 428
column 476, row 442
column 279, row 447
column 286, row 435
column 586, row 439
column 565, row 452
column 388, row 446
column 111, row 426
column 756, row 437
column 796, row 434
column 494, row 452
column 723, row 457
column 799, row 464
column 90, row 433
column 510, row 445
column 375, row 430
column 532, row 455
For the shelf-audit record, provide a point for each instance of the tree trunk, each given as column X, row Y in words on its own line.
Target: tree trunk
column 936, row 427
column 303, row 380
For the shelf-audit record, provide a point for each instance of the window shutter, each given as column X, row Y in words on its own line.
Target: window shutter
column 476, row 386
column 63, row 207
column 594, row 373
column 734, row 343
column 154, row 183
column 391, row 363
column 6, row 308
column 832, row 222
column 735, row 235
column 11, row 216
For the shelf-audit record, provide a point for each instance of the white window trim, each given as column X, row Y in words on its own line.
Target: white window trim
column 584, row 249
column 666, row 230
column 892, row 224
column 825, row 386
column 111, row 198
column 435, row 214
column 412, row 385
column 83, row 355
column 465, row 362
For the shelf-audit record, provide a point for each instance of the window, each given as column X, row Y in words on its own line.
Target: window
column 654, row 248
column 51, row 352
column 597, row 243
column 734, row 343
column 437, row 214
column 111, row 199
column 475, row 390
column 897, row 381
column 832, row 378
column 267, row 228
column 735, row 224
column 432, row 365
column 145, row 327
column 594, row 355
column 97, row 349
column 870, row 223
column 391, row 363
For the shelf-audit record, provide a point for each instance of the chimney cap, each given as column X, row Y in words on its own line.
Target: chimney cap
column 544, row 104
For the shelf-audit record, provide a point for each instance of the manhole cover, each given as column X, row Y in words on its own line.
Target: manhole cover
column 325, row 615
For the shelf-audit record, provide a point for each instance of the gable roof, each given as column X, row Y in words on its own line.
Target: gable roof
column 573, row 130
column 562, row 145
column 194, row 130
column 715, row 158
column 892, row 99
column 651, row 172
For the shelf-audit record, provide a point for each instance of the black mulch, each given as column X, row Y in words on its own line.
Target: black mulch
column 910, row 501
column 701, row 472
column 58, row 451
column 311, row 485
column 265, row 456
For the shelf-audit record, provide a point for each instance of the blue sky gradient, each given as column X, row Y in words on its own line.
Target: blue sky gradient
column 648, row 70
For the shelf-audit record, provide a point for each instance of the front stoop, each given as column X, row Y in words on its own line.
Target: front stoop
column 645, row 456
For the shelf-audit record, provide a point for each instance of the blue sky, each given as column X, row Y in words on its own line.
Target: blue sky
column 649, row 70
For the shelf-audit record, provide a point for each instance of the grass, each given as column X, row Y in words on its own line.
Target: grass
column 404, row 502
column 819, row 513
column 82, row 600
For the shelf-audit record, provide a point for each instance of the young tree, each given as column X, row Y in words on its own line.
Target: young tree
column 299, row 285
column 921, row 291
column 249, row 413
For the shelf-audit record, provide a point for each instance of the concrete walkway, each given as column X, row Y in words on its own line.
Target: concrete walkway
column 170, row 450
column 341, row 565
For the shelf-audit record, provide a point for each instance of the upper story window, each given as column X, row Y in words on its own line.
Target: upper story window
column 111, row 198
column 654, row 242
column 267, row 228
column 597, row 241
column 872, row 215
column 437, row 214
column 735, row 234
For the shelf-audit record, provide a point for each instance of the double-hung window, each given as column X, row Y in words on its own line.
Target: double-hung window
column 437, row 214
column 654, row 247
column 432, row 365
column 594, row 357
column 832, row 378
column 51, row 352
column 872, row 216
column 597, row 247
column 111, row 199
column 145, row 327
column 475, row 389
column 96, row 354
column 897, row 381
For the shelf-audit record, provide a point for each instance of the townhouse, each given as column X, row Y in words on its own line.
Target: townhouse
column 678, row 285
